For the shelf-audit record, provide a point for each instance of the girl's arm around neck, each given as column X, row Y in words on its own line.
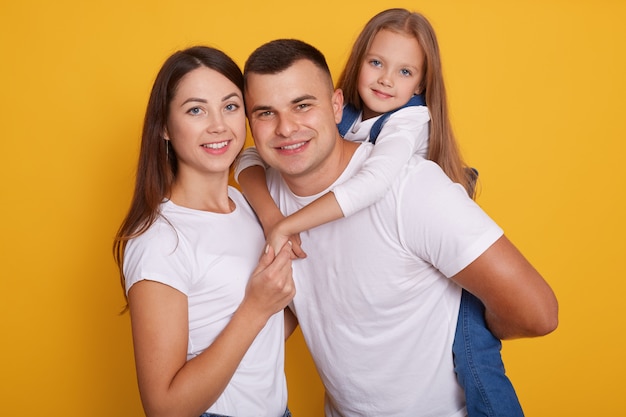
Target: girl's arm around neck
column 323, row 210
column 254, row 187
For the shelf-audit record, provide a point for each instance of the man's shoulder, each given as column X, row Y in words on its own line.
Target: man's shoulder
column 419, row 176
column 415, row 162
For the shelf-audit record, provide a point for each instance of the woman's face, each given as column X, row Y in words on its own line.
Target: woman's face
column 206, row 123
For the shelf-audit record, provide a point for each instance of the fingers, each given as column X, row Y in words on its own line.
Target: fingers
column 265, row 259
column 296, row 249
column 293, row 244
column 285, row 255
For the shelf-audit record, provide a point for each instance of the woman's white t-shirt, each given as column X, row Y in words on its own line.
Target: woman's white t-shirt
column 209, row 257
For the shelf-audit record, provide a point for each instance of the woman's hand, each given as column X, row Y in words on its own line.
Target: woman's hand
column 271, row 287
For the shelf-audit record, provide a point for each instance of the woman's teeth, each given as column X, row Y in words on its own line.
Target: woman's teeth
column 218, row 145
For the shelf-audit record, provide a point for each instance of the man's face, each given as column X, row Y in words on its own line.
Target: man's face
column 293, row 117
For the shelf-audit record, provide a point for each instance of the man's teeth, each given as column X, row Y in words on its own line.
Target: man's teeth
column 294, row 146
column 218, row 145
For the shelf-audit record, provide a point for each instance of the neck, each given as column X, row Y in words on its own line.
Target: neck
column 326, row 174
column 208, row 193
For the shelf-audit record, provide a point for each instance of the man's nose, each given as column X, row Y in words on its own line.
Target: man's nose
column 286, row 126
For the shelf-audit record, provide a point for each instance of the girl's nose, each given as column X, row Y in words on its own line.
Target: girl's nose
column 385, row 79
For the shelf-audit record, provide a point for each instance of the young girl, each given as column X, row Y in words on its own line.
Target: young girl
column 395, row 97
column 206, row 313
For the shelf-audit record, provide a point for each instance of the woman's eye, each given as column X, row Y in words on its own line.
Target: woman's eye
column 232, row 107
column 194, row 110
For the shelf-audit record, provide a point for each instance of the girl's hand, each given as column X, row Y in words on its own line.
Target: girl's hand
column 277, row 238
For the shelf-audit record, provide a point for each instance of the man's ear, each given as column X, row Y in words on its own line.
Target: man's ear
column 337, row 101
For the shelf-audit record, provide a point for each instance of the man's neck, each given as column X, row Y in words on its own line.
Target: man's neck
column 315, row 182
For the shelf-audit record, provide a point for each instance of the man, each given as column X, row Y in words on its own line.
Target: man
column 378, row 294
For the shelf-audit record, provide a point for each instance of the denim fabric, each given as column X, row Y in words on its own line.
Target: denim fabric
column 478, row 364
column 287, row 414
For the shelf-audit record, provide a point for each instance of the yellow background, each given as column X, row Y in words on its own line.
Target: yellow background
column 537, row 97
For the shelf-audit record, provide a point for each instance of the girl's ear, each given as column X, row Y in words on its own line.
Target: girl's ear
column 420, row 88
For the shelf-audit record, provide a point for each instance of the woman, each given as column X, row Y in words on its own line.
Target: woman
column 206, row 313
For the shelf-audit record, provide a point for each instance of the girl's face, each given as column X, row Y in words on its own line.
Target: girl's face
column 391, row 72
column 206, row 123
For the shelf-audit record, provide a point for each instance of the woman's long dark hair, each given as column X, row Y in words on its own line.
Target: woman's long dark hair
column 158, row 166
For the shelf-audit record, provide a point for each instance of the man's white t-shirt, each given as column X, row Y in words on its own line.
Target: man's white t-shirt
column 373, row 299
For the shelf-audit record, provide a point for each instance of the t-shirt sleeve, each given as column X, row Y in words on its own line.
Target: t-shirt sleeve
column 249, row 157
column 404, row 134
column 439, row 223
column 154, row 256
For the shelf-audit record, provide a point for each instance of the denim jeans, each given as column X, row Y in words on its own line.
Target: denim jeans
column 287, row 414
column 478, row 364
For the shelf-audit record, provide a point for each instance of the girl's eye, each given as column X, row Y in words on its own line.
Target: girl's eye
column 376, row 63
column 405, row 72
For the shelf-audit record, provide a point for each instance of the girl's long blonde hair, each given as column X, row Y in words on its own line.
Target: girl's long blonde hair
column 443, row 148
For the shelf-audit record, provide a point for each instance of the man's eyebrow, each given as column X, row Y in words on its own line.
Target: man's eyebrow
column 302, row 98
column 294, row 101
column 260, row 108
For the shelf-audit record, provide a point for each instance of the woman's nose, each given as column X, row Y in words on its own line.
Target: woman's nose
column 215, row 123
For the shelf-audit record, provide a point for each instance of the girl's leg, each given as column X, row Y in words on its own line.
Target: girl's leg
column 478, row 364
